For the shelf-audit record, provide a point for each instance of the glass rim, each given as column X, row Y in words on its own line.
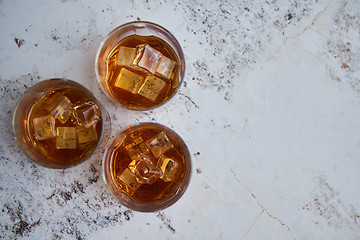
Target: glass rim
column 176, row 43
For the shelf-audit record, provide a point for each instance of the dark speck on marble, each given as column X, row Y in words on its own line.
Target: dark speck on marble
column 166, row 222
column 19, row 42
column 229, row 31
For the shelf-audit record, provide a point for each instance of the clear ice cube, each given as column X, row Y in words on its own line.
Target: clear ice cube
column 59, row 107
column 44, row 127
column 147, row 58
column 136, row 147
column 128, row 179
column 145, row 171
column 159, row 144
column 169, row 167
column 151, row 87
column 129, row 80
column 166, row 68
column 87, row 114
column 125, row 56
column 86, row 136
column 66, row 137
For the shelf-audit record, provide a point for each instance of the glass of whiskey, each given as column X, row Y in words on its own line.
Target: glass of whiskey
column 147, row 167
column 58, row 123
column 140, row 65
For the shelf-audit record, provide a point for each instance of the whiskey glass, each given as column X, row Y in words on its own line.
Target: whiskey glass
column 58, row 123
column 140, row 65
column 147, row 167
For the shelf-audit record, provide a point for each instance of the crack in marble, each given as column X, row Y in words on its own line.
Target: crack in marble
column 257, row 217
column 262, row 206
column 187, row 97
column 310, row 25
column 271, row 216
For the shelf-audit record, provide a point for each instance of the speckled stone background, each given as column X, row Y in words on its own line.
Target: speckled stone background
column 269, row 107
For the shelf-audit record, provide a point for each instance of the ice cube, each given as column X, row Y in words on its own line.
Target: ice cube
column 44, row 127
column 151, row 87
column 166, row 67
column 136, row 147
column 159, row 144
column 125, row 56
column 169, row 167
column 128, row 179
column 87, row 114
column 59, row 107
column 147, row 58
column 86, row 136
column 144, row 170
column 129, row 80
column 65, row 137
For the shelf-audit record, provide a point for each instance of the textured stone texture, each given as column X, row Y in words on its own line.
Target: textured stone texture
column 269, row 108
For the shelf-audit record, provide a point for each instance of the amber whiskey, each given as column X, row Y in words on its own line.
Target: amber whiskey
column 148, row 163
column 140, row 71
column 60, row 123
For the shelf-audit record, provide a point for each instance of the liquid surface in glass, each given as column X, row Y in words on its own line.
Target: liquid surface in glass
column 149, row 164
column 65, row 124
column 142, row 72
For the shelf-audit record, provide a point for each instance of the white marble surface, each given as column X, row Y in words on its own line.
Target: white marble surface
column 270, row 109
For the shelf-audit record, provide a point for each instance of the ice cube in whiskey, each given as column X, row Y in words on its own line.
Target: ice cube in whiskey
column 170, row 168
column 151, row 87
column 153, row 178
column 136, row 146
column 129, row 81
column 86, row 136
column 128, row 181
column 159, row 144
column 166, row 68
column 59, row 107
column 44, row 127
column 65, row 137
column 87, row 114
column 145, row 170
column 147, row 58
column 125, row 56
